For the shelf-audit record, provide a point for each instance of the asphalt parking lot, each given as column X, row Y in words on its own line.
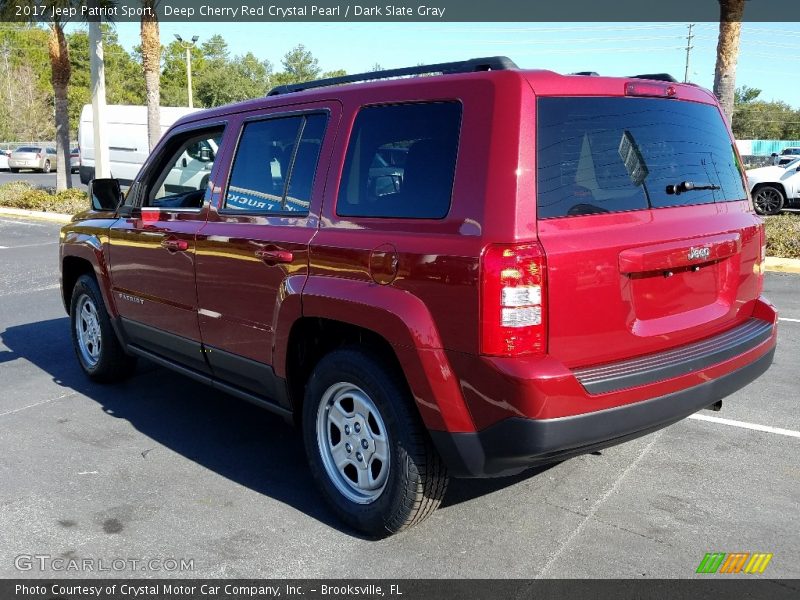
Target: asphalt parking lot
column 47, row 180
column 162, row 467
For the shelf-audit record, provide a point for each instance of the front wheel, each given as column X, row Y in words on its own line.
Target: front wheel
column 367, row 447
column 768, row 200
column 99, row 352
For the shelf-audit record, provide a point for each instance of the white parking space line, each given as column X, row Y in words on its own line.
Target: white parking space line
column 16, row 410
column 23, row 222
column 596, row 506
column 745, row 425
column 27, row 245
column 788, row 319
column 43, row 288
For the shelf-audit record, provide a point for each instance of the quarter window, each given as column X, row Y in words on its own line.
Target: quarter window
column 401, row 161
column 275, row 164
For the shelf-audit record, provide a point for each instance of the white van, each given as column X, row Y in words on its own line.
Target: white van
column 127, row 138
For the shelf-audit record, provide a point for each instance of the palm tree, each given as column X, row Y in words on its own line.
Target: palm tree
column 60, row 73
column 730, row 29
column 151, row 64
column 60, row 70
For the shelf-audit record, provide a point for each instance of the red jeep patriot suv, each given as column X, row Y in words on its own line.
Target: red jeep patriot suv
column 465, row 274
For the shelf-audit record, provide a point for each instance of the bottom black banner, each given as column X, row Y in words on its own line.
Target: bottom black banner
column 397, row 589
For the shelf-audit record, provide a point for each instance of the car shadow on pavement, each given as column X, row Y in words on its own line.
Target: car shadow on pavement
column 230, row 437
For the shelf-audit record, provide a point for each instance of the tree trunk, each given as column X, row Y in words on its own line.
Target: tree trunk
column 730, row 28
column 60, row 75
column 151, row 64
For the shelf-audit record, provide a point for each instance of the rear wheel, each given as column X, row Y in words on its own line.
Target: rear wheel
column 46, row 167
column 768, row 200
column 14, row 170
column 368, row 450
column 99, row 352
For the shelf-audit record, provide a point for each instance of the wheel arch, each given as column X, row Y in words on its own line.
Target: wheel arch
column 774, row 184
column 312, row 338
column 82, row 254
column 388, row 321
column 72, row 267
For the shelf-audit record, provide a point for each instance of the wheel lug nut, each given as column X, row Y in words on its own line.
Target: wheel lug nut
column 348, row 447
column 357, row 427
column 359, row 458
column 347, row 429
column 364, row 444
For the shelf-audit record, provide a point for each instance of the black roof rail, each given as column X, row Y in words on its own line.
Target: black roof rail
column 655, row 77
column 489, row 63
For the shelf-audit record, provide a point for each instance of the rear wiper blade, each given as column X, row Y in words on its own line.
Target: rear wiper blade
column 688, row 186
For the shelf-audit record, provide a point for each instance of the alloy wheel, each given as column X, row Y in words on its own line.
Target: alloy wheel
column 87, row 328
column 353, row 443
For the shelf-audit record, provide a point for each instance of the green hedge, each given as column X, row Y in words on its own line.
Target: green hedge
column 20, row 194
column 783, row 235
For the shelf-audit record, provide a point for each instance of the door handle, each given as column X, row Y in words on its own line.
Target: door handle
column 274, row 256
column 174, row 245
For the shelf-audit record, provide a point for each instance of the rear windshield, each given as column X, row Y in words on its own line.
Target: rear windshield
column 28, row 149
column 599, row 155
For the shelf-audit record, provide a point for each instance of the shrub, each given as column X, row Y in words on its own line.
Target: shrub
column 783, row 235
column 20, row 194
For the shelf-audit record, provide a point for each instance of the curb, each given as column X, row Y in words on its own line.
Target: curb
column 782, row 265
column 35, row 214
column 772, row 263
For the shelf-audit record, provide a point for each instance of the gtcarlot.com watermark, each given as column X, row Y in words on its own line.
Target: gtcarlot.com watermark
column 46, row 562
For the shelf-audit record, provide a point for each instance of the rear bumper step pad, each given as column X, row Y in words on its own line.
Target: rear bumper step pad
column 674, row 363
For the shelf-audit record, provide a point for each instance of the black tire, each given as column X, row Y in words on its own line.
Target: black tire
column 111, row 363
column 46, row 168
column 768, row 200
column 14, row 170
column 417, row 478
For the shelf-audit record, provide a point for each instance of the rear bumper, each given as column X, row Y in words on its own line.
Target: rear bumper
column 24, row 164
column 516, row 444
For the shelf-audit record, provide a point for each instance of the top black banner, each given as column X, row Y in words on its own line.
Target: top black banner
column 397, row 11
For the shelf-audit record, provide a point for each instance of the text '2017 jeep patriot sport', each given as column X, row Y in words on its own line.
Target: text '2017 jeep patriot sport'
column 465, row 274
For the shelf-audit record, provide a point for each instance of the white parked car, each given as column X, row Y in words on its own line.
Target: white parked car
column 775, row 188
column 4, row 154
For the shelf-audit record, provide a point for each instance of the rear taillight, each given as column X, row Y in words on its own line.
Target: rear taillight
column 38, row 155
column 513, row 300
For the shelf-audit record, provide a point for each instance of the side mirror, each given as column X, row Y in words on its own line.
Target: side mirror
column 205, row 155
column 105, row 194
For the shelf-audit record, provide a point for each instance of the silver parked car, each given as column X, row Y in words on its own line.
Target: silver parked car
column 36, row 158
column 75, row 160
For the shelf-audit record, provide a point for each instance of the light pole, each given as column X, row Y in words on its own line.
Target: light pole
column 188, row 47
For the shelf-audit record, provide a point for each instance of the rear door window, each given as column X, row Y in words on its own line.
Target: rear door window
column 273, row 171
column 401, row 161
column 597, row 155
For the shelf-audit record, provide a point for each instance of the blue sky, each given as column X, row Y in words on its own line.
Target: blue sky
column 768, row 58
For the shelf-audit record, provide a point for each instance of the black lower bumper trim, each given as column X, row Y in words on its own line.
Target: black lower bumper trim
column 516, row 444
